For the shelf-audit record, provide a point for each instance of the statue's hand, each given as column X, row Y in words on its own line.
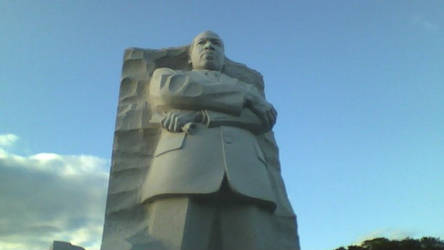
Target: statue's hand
column 174, row 121
column 263, row 109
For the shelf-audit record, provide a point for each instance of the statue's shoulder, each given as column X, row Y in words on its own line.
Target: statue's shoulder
column 226, row 77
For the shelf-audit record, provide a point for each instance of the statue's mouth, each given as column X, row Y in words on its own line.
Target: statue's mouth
column 208, row 56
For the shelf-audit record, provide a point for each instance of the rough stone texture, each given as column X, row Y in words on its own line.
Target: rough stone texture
column 61, row 245
column 136, row 136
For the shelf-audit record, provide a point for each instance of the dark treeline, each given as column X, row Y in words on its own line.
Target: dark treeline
column 425, row 243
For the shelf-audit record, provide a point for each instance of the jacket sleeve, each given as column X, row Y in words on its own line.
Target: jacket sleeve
column 171, row 89
column 246, row 120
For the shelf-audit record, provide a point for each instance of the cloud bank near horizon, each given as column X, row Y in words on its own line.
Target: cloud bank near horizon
column 47, row 196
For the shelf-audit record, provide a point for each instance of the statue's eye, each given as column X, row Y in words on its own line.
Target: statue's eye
column 201, row 42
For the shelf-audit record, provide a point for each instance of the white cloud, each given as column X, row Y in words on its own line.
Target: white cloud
column 50, row 197
column 7, row 140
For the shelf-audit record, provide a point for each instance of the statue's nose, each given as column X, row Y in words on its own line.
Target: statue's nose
column 209, row 45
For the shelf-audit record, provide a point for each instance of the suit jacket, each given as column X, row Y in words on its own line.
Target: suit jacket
column 196, row 163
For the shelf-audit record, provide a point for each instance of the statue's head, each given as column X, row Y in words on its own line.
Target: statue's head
column 207, row 51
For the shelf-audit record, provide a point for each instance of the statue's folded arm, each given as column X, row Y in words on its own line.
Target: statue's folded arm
column 170, row 89
column 246, row 120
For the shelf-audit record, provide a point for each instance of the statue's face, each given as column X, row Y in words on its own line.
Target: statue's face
column 207, row 51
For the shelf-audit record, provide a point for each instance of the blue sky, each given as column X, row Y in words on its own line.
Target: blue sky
column 359, row 87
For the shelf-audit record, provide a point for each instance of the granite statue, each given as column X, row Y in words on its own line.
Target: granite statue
column 195, row 165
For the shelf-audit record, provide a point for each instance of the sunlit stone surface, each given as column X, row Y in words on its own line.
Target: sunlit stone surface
column 195, row 164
